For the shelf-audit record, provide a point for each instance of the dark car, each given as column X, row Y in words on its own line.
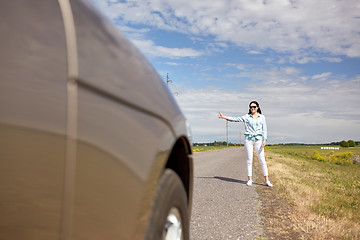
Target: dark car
column 92, row 144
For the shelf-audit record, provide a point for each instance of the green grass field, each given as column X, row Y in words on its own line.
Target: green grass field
column 322, row 183
column 337, row 156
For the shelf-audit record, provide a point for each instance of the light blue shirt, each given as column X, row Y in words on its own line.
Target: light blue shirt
column 255, row 129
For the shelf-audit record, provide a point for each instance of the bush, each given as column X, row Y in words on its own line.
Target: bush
column 338, row 158
column 351, row 143
column 316, row 156
column 341, row 158
column 344, row 144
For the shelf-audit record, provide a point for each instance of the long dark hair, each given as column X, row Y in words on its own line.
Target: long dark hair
column 257, row 104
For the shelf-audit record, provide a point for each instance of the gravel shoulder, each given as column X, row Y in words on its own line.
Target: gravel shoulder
column 224, row 207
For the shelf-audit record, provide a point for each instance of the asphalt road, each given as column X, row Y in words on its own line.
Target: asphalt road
column 224, row 207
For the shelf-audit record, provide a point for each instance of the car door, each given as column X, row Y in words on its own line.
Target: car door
column 32, row 119
column 123, row 143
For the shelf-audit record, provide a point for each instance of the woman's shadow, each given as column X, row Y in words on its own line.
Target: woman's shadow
column 229, row 179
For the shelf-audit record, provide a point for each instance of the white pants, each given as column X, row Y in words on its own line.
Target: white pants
column 249, row 146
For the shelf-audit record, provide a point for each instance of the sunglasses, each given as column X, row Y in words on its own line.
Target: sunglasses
column 253, row 106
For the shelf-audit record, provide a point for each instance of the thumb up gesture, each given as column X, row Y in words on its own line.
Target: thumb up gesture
column 221, row 116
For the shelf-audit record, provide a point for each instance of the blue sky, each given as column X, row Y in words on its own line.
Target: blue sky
column 299, row 59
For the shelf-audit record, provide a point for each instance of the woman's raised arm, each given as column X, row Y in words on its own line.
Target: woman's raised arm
column 221, row 116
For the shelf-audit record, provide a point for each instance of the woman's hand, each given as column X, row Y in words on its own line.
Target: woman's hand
column 221, row 116
column 264, row 143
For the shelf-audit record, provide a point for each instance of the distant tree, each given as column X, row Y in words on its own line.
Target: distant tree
column 351, row 143
column 344, row 144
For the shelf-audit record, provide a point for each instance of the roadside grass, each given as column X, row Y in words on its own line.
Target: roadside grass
column 323, row 188
column 210, row 148
column 338, row 156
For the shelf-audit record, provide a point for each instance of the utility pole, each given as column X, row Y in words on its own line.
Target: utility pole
column 227, row 133
column 167, row 83
column 167, row 79
column 240, row 137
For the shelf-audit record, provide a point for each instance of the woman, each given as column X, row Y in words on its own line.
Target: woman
column 255, row 136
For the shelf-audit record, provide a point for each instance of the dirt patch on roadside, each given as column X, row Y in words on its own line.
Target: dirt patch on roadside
column 276, row 211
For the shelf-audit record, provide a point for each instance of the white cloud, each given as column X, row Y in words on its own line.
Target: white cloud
column 322, row 76
column 150, row 48
column 254, row 52
column 240, row 66
column 304, row 60
column 286, row 26
column 299, row 107
column 332, row 59
column 172, row 63
column 133, row 33
column 301, row 111
column 290, row 71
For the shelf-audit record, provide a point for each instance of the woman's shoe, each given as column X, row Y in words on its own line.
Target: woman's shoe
column 268, row 183
column 249, row 183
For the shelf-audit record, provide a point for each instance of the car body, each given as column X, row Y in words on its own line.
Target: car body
column 92, row 143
